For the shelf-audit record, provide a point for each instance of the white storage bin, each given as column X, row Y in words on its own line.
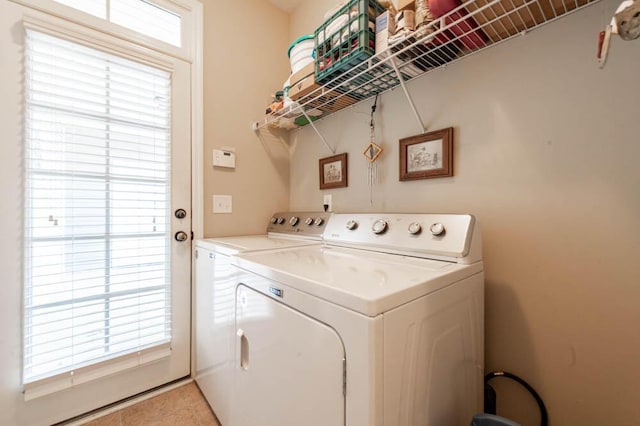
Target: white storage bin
column 301, row 52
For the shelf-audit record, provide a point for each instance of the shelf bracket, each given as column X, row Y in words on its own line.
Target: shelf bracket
column 407, row 95
column 324, row 141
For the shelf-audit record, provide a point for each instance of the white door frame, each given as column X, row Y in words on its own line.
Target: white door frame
column 193, row 52
column 195, row 59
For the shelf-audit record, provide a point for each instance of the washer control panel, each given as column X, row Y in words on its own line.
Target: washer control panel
column 310, row 224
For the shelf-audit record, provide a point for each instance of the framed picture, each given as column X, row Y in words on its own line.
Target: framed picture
column 333, row 171
column 427, row 156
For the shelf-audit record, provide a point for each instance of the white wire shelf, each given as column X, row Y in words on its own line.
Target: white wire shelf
column 470, row 28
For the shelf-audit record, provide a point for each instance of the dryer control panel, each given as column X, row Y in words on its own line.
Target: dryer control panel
column 437, row 236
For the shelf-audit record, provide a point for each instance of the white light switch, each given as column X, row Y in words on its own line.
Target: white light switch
column 222, row 203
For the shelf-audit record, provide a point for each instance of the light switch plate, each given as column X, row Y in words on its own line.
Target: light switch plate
column 222, row 204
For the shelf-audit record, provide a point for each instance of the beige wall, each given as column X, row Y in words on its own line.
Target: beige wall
column 546, row 155
column 245, row 62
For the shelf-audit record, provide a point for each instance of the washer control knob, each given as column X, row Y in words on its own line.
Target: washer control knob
column 294, row 220
column 437, row 229
column 351, row 225
column 308, row 221
column 274, row 220
column 280, row 220
column 379, row 226
column 414, row 228
column 319, row 221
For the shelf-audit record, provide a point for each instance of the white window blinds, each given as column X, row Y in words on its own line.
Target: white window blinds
column 97, row 164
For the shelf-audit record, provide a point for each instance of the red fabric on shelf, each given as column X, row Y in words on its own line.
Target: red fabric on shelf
column 466, row 29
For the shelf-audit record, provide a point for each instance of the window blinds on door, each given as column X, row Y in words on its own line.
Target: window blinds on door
column 97, row 246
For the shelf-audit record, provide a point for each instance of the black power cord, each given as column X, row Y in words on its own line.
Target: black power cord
column 490, row 399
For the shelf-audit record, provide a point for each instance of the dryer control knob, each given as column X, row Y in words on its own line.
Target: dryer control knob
column 437, row 229
column 274, row 220
column 308, row 221
column 280, row 220
column 294, row 220
column 379, row 226
column 414, row 228
column 319, row 221
column 351, row 225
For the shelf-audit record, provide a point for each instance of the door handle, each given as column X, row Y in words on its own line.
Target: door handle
column 244, row 350
column 181, row 236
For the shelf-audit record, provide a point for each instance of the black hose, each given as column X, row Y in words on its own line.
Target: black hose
column 544, row 418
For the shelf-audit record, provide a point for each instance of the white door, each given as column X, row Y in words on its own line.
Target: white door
column 289, row 368
column 131, row 373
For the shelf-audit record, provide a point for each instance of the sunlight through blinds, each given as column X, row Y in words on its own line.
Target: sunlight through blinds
column 97, row 170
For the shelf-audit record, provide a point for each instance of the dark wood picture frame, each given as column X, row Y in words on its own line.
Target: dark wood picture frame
column 427, row 156
column 333, row 172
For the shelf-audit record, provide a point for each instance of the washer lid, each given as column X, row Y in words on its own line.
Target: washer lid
column 248, row 243
column 367, row 282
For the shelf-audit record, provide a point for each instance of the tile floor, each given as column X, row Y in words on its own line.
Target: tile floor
column 183, row 406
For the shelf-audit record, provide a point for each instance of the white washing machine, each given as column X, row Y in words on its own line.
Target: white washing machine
column 381, row 325
column 214, row 298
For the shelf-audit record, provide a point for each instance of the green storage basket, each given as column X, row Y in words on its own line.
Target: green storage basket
column 342, row 43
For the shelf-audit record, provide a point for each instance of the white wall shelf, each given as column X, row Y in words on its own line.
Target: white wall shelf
column 470, row 28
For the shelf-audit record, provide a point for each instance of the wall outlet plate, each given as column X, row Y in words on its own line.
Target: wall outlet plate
column 326, row 203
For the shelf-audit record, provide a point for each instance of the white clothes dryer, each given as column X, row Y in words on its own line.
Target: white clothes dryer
column 214, row 298
column 380, row 326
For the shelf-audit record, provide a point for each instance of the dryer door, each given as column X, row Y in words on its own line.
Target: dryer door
column 288, row 367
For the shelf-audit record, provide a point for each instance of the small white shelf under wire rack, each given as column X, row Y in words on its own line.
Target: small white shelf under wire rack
column 472, row 27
